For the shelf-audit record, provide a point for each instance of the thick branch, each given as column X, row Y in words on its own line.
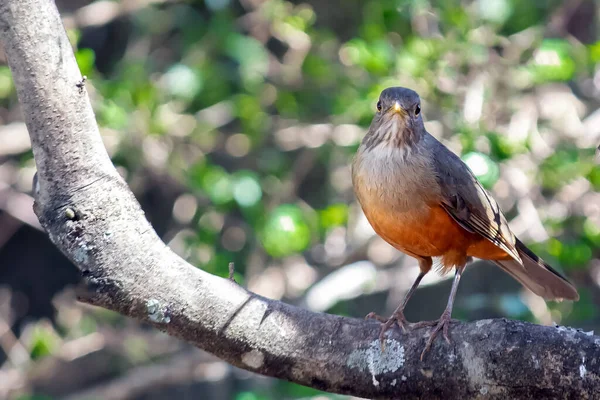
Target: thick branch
column 91, row 215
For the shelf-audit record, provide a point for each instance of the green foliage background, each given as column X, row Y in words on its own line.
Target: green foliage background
column 252, row 111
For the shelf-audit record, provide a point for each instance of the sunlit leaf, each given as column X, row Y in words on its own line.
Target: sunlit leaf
column 182, row 81
column 286, row 231
column 483, row 167
column 112, row 115
column 553, row 61
column 217, row 183
column 334, row 215
column 246, row 189
column 44, row 341
column 85, row 60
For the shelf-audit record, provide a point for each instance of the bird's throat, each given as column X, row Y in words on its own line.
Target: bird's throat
column 394, row 131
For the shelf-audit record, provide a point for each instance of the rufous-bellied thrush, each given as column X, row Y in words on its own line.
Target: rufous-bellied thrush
column 423, row 200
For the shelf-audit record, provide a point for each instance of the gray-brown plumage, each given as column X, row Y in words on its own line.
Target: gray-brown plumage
column 422, row 199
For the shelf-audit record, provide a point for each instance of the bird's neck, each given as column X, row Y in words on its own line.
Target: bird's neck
column 392, row 135
column 387, row 174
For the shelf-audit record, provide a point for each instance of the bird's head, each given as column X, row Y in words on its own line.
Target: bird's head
column 398, row 121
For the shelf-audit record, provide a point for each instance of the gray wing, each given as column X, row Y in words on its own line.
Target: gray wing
column 469, row 204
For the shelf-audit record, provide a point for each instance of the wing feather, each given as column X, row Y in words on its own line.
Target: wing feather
column 469, row 204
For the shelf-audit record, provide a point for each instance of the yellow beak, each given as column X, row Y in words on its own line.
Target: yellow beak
column 397, row 108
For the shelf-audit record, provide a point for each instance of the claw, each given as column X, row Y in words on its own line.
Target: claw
column 445, row 332
column 396, row 318
column 377, row 317
column 442, row 325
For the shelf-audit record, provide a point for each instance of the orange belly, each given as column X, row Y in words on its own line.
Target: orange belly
column 431, row 232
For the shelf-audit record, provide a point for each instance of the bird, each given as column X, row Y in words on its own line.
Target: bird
column 422, row 199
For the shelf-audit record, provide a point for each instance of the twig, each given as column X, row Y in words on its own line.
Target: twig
column 232, row 272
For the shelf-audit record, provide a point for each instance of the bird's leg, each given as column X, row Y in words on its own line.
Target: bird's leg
column 398, row 314
column 444, row 322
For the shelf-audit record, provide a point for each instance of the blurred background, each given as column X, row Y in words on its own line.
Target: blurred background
column 234, row 123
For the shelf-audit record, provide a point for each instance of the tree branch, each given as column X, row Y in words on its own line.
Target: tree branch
column 91, row 215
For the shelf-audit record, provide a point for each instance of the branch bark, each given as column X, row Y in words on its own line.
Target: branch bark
column 91, row 215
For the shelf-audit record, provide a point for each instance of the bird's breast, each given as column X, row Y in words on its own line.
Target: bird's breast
column 400, row 197
column 400, row 178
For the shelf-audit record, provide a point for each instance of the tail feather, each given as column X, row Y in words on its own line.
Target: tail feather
column 538, row 276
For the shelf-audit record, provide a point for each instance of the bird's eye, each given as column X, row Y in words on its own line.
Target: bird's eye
column 379, row 106
column 417, row 110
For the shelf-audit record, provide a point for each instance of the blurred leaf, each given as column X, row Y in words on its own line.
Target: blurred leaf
column 572, row 255
column 182, row 81
column 112, row 115
column 375, row 57
column 319, row 69
column 594, row 52
column 496, row 11
column 483, row 167
column 217, row 183
column 553, row 61
column 219, row 264
column 594, row 177
column 526, row 14
column 504, row 147
column 74, row 36
column 250, row 54
column 591, row 230
column 44, row 341
column 250, row 396
column 85, row 60
column 253, row 118
column 334, row 215
column 246, row 188
column 563, row 166
column 454, row 16
column 6, row 83
column 296, row 391
column 286, row 231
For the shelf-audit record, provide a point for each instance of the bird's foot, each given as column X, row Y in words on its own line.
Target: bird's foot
column 397, row 318
column 440, row 325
